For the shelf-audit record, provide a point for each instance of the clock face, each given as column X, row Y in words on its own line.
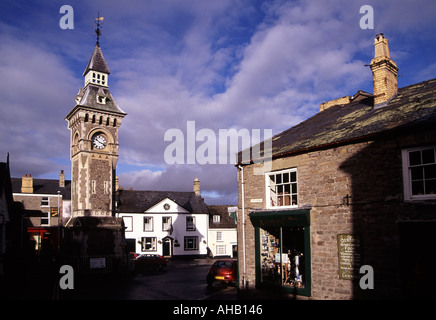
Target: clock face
column 99, row 141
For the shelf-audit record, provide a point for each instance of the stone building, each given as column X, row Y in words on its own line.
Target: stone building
column 94, row 122
column 45, row 205
column 352, row 186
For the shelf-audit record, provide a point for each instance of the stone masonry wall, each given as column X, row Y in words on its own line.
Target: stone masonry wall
column 370, row 173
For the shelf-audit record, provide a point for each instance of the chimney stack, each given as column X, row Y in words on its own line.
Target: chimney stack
column 27, row 184
column 197, row 187
column 384, row 72
column 62, row 179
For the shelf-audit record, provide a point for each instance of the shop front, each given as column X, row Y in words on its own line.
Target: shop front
column 282, row 249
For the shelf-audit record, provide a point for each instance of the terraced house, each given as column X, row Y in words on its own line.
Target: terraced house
column 352, row 186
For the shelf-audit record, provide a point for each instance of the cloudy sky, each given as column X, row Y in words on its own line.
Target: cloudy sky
column 223, row 64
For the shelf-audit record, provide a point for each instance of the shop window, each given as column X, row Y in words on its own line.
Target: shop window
column 281, row 189
column 282, row 242
column 281, row 251
column 419, row 173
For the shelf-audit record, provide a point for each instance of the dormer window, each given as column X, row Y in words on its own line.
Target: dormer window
column 101, row 99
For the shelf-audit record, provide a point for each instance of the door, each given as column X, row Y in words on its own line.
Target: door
column 167, row 247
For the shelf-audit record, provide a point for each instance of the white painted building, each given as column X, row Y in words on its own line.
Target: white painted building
column 223, row 239
column 165, row 223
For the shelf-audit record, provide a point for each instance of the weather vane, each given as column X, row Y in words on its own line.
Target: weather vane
column 98, row 23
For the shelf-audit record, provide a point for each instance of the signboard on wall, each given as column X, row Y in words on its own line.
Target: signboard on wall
column 349, row 256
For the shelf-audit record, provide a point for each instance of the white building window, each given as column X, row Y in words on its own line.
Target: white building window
column 281, row 188
column 190, row 223
column 128, row 223
column 166, row 223
column 148, row 244
column 419, row 173
column 44, row 202
column 191, row 243
column 148, row 223
column 216, row 218
column 220, row 250
column 219, row 236
column 45, row 218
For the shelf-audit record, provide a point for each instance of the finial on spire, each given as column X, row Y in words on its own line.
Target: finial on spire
column 98, row 23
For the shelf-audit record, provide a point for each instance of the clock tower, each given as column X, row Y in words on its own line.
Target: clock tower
column 94, row 123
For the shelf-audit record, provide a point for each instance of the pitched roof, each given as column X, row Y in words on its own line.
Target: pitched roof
column 88, row 100
column 413, row 105
column 225, row 222
column 97, row 62
column 132, row 201
column 45, row 186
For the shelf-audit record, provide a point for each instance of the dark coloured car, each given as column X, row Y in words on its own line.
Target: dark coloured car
column 149, row 262
column 224, row 271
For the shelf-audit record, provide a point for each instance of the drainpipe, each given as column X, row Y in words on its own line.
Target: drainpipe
column 243, row 226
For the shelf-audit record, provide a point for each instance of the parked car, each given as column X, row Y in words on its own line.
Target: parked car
column 149, row 261
column 224, row 271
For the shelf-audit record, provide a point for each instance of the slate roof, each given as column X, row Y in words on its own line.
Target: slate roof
column 45, row 186
column 413, row 105
column 88, row 99
column 133, row 201
column 225, row 222
column 97, row 62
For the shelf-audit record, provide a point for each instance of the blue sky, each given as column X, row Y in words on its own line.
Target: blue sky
column 223, row 64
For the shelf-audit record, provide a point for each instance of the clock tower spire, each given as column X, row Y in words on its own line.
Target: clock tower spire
column 94, row 122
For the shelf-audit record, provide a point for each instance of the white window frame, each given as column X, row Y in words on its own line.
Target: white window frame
column 150, row 223
column 166, row 226
column 128, row 223
column 407, row 178
column 152, row 243
column 45, row 221
column 219, row 236
column 268, row 189
column 190, row 226
column 216, row 218
column 45, row 202
column 220, row 250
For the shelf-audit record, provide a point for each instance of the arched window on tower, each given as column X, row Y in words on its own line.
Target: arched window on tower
column 115, row 123
column 86, row 117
